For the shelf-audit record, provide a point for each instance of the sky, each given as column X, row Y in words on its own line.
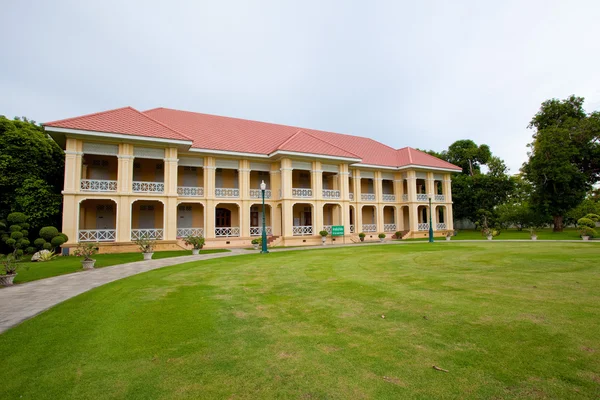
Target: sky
column 422, row 73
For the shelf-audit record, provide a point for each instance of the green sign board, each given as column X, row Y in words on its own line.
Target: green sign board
column 337, row 230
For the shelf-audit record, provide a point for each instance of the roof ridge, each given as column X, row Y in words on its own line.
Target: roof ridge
column 286, row 141
column 331, row 144
column 163, row 124
column 87, row 115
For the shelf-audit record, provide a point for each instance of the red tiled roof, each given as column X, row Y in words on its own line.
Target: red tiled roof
column 126, row 121
column 212, row 132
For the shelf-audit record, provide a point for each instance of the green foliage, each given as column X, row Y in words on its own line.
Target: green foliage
column 47, row 246
column 586, row 222
column 256, row 241
column 28, row 154
column 17, row 218
column 587, row 206
column 86, row 250
column 48, row 232
column 10, row 242
column 398, row 234
column 46, row 255
column 381, row 236
column 564, row 160
column 9, row 264
column 196, row 241
column 362, row 235
column 323, row 233
column 593, row 217
column 145, row 244
column 15, row 228
column 467, row 155
column 30, row 250
column 39, row 242
column 587, row 231
column 57, row 241
column 66, row 238
column 16, row 235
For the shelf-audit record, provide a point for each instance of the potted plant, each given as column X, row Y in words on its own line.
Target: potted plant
column 533, row 233
column 398, row 235
column 323, row 236
column 586, row 227
column 196, row 241
column 256, row 243
column 146, row 246
column 362, row 236
column 449, row 235
column 86, row 250
column 9, row 269
column 381, row 237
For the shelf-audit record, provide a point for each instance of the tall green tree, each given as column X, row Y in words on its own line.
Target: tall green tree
column 564, row 156
column 467, row 155
column 31, row 172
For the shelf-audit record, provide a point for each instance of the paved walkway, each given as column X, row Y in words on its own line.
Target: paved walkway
column 21, row 302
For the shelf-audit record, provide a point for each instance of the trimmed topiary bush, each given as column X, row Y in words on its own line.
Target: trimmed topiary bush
column 39, row 243
column 48, row 232
column 47, row 246
column 30, row 250
column 57, row 241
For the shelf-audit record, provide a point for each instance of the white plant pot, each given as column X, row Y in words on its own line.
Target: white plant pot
column 7, row 280
column 195, row 251
column 585, row 237
column 490, row 237
column 88, row 264
column 255, row 245
column 381, row 240
column 147, row 256
column 533, row 237
column 448, row 238
column 323, row 239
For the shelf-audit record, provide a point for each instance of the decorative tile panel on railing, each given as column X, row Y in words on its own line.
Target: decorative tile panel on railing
column 422, row 197
column 98, row 235
column 440, row 226
column 388, row 197
column 327, row 228
column 405, row 197
column 302, row 230
column 97, row 185
column 190, row 191
column 369, row 228
column 228, row 231
column 156, row 234
column 423, row 227
column 185, row 232
column 367, row 196
column 389, row 227
column 439, row 197
column 351, row 196
column 257, row 194
column 257, row 231
column 297, row 192
column 149, row 187
column 331, row 194
column 227, row 192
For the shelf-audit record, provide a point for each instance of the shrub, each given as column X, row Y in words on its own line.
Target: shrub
column 256, row 241
column 45, row 255
column 30, row 250
column 17, row 218
column 196, row 241
column 323, row 233
column 381, row 236
column 57, row 241
column 24, row 243
column 86, row 250
column 64, row 236
column 48, row 232
column 593, row 217
column 47, row 246
column 10, row 242
column 18, row 253
column 16, row 235
column 9, row 264
column 15, row 228
column 587, row 231
column 145, row 244
column 39, row 242
column 398, row 235
column 586, row 222
column 362, row 235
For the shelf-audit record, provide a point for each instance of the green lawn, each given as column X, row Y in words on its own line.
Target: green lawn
column 543, row 234
column 31, row 271
column 508, row 320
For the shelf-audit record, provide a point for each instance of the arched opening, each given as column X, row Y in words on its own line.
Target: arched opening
column 147, row 219
column 97, row 220
column 332, row 215
column 302, row 214
column 441, row 218
column 256, row 216
column 227, row 220
column 423, row 215
column 352, row 220
column 389, row 219
column 369, row 219
column 190, row 220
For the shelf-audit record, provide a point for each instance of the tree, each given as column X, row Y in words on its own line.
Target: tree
column 31, row 172
column 564, row 158
column 467, row 155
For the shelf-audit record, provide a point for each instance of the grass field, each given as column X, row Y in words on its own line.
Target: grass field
column 513, row 234
column 508, row 320
column 31, row 271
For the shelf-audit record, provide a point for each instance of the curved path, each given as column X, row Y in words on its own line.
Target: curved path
column 21, row 302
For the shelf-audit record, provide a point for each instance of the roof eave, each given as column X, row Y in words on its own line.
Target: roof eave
column 112, row 135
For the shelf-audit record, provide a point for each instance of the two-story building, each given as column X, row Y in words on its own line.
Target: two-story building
column 168, row 174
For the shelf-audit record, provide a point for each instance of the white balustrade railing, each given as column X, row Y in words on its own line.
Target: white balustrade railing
column 351, row 228
column 298, row 192
column 185, row 232
column 228, row 231
column 331, row 194
column 327, row 228
column 257, row 231
column 388, row 197
column 439, row 197
column 97, row 235
column 190, row 191
column 422, row 197
column 302, row 230
column 405, row 197
column 98, row 185
column 389, row 227
column 351, row 196
column 148, row 187
column 155, row 234
column 440, row 226
column 227, row 192
column 369, row 228
column 367, row 196
column 423, row 227
column 257, row 194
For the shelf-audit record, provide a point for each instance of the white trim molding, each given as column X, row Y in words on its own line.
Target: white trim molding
column 116, row 135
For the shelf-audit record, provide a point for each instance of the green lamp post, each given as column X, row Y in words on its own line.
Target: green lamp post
column 430, row 219
column 263, row 187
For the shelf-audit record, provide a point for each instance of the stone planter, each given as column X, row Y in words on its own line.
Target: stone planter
column 382, row 240
column 323, row 239
column 88, row 264
column 147, row 256
column 533, row 237
column 195, row 251
column 362, row 239
column 255, row 245
column 585, row 237
column 7, row 280
column 448, row 238
column 490, row 237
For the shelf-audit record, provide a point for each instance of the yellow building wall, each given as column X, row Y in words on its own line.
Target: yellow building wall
column 158, row 213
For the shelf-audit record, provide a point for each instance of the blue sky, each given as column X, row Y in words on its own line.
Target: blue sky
column 420, row 74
